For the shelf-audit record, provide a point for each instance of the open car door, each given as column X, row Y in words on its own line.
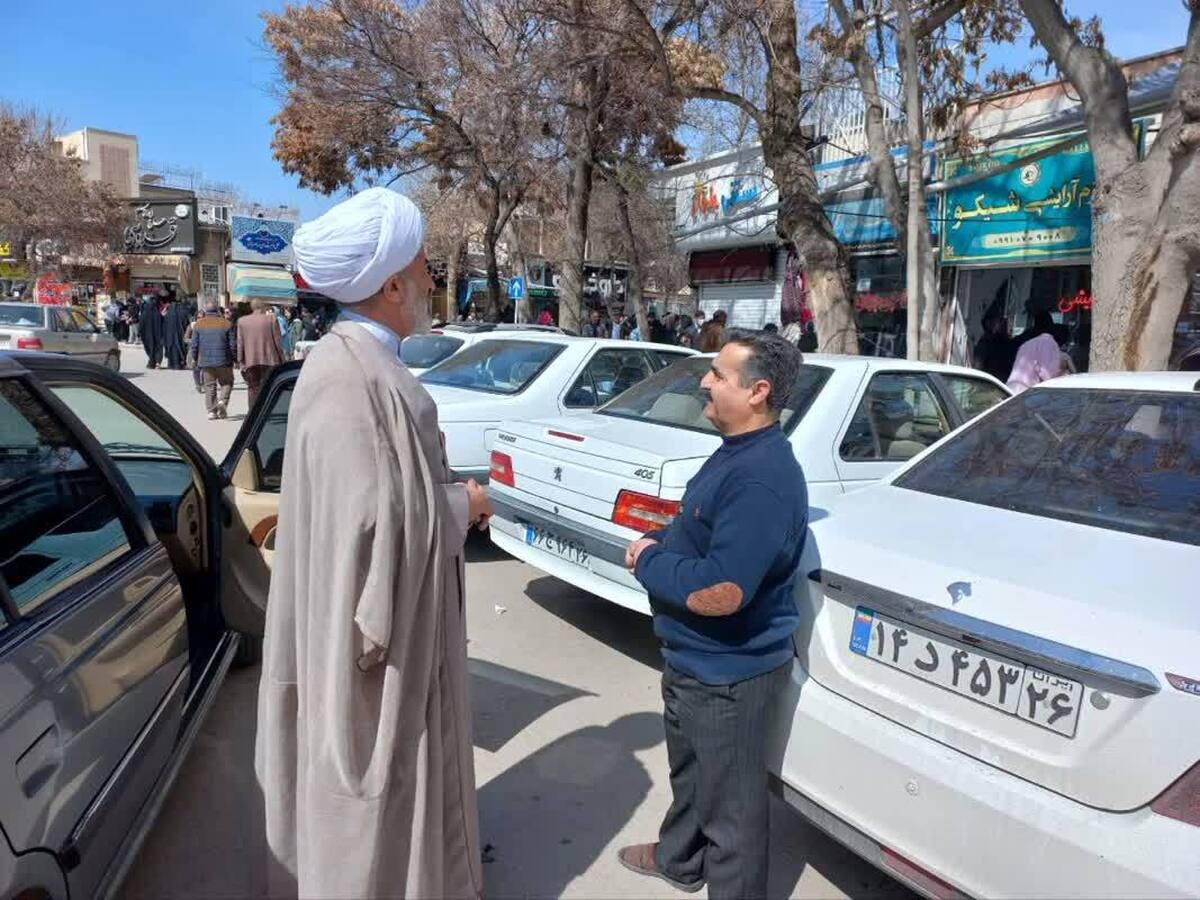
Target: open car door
column 253, row 471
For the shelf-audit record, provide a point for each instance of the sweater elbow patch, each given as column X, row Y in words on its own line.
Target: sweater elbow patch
column 722, row 599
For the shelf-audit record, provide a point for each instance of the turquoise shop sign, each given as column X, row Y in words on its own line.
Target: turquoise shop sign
column 1041, row 210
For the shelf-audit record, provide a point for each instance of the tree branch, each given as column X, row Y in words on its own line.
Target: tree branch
column 724, row 96
column 936, row 18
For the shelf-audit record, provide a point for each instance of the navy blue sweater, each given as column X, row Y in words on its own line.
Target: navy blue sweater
column 743, row 520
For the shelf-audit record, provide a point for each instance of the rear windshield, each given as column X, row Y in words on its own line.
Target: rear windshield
column 1122, row 460
column 16, row 316
column 495, row 366
column 673, row 397
column 424, row 351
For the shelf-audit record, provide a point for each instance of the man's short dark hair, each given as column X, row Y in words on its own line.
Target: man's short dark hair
column 772, row 358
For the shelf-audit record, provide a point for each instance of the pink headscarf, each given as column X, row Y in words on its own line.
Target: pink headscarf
column 1038, row 360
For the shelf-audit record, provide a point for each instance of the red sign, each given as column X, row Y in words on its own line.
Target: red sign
column 52, row 292
column 1082, row 300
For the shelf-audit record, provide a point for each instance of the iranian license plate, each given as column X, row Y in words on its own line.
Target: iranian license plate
column 568, row 549
column 1026, row 692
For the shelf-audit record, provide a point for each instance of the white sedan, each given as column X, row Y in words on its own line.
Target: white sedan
column 421, row 352
column 997, row 682
column 530, row 375
column 571, row 494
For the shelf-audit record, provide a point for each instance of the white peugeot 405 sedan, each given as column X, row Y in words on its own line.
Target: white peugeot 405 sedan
column 529, row 375
column 997, row 682
column 571, row 494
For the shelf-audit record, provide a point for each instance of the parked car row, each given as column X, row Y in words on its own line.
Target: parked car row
column 996, row 689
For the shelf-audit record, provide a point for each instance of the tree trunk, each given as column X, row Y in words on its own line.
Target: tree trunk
column 801, row 217
column 882, row 170
column 491, row 234
column 920, row 279
column 633, row 287
column 589, row 93
column 453, row 263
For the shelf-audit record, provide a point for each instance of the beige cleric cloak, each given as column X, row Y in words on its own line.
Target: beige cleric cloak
column 364, row 732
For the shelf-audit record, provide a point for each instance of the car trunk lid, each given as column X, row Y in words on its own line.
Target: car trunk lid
column 584, row 463
column 1055, row 607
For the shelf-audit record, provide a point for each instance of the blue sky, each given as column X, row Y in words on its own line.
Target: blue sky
column 194, row 82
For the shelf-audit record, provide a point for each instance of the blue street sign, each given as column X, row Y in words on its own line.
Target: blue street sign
column 516, row 288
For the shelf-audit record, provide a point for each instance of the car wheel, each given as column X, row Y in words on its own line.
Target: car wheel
column 113, row 360
column 249, row 651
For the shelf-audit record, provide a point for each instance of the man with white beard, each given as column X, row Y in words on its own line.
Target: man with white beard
column 364, row 729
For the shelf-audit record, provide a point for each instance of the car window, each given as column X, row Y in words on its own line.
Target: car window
column 974, row 396
column 268, row 448
column 157, row 473
column 899, row 416
column 664, row 358
column 82, row 322
column 609, row 373
column 63, row 320
column 673, row 397
column 1122, row 460
column 495, row 366
column 424, row 351
column 59, row 520
column 15, row 315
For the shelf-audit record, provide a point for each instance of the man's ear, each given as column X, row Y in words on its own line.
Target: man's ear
column 760, row 391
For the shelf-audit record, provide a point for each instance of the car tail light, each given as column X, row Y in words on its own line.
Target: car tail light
column 918, row 876
column 29, row 343
column 502, row 469
column 641, row 512
column 1181, row 801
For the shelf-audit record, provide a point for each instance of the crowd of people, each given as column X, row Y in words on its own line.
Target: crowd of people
column 211, row 341
column 1037, row 354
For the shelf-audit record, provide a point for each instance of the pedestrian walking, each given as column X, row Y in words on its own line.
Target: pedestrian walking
column 364, row 750
column 152, row 331
column 191, row 357
column 295, row 334
column 133, row 315
column 721, row 578
column 712, row 335
column 1037, row 360
column 259, row 347
column 593, row 327
column 214, row 349
column 175, row 322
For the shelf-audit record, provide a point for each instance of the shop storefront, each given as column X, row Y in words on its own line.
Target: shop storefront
column 158, row 245
column 272, row 285
column 1020, row 243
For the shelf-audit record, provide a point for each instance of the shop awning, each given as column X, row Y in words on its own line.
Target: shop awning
column 250, row 282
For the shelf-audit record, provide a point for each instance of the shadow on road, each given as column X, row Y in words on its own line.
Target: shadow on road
column 505, row 702
column 549, row 817
column 622, row 629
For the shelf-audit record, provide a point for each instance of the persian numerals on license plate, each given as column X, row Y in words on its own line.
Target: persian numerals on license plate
column 565, row 547
column 1023, row 691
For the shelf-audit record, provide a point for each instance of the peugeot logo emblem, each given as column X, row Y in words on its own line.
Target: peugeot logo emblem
column 558, row 473
column 958, row 591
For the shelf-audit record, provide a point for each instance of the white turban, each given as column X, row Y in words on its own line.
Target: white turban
column 349, row 252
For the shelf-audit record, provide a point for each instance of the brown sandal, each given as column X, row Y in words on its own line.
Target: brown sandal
column 640, row 858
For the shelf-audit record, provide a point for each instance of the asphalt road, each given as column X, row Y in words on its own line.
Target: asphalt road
column 569, row 752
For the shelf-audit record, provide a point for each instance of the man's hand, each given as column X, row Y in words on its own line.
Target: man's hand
column 480, row 507
column 635, row 550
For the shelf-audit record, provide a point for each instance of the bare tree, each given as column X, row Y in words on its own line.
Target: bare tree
column 47, row 207
column 452, row 218
column 1145, row 212
column 376, row 90
column 936, row 45
column 746, row 54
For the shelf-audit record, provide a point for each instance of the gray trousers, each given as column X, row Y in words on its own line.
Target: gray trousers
column 718, row 826
column 218, row 385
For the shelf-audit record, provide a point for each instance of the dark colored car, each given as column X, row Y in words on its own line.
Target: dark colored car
column 133, row 572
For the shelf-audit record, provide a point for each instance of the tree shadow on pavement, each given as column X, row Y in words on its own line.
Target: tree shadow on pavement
column 549, row 817
column 504, row 702
column 624, row 630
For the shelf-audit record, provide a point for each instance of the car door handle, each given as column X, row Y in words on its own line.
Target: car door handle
column 39, row 762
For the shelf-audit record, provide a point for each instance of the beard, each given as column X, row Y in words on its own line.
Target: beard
column 418, row 306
